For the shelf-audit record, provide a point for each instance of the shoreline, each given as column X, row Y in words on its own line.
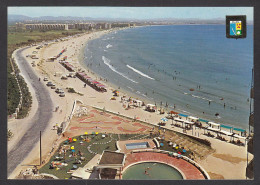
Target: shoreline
column 95, row 99
column 128, row 92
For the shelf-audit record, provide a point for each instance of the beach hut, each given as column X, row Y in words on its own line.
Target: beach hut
column 170, row 116
column 226, row 127
column 178, row 120
column 240, row 131
column 183, row 115
column 139, row 103
column 192, row 118
column 213, row 125
column 150, row 108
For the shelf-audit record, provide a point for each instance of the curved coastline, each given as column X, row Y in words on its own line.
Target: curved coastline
column 112, row 85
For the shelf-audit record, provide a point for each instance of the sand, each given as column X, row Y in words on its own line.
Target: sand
column 215, row 163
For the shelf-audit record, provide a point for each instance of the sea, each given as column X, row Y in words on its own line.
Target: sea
column 191, row 69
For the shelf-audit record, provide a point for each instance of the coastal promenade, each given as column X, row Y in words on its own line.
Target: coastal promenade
column 38, row 122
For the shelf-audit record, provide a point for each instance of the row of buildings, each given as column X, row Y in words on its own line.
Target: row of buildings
column 79, row 26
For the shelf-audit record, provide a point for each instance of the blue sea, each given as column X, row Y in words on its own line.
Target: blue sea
column 194, row 67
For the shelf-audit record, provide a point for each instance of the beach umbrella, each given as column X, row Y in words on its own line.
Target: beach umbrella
column 173, row 112
column 179, row 152
column 70, row 138
column 161, row 144
column 184, row 151
column 74, row 166
column 74, row 139
column 86, row 133
column 93, row 133
column 96, row 133
column 72, row 147
column 164, row 119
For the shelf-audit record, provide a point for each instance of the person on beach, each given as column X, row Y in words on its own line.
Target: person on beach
column 224, row 105
column 209, row 102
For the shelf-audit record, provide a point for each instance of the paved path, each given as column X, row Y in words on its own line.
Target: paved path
column 38, row 122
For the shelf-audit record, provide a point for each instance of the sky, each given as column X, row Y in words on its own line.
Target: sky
column 134, row 12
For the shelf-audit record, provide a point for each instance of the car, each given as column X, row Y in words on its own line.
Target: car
column 59, row 90
column 49, row 84
column 62, row 94
column 53, row 86
column 45, row 79
column 64, row 77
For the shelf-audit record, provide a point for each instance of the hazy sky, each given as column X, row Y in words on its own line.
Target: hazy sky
column 134, row 12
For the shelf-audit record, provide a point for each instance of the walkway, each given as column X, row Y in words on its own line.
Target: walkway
column 37, row 123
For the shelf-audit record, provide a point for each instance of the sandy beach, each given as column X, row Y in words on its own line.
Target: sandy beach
column 227, row 162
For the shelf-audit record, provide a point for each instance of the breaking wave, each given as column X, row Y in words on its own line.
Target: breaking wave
column 139, row 72
column 109, row 46
column 107, row 62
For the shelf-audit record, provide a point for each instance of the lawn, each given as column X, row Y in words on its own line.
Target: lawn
column 20, row 37
column 96, row 145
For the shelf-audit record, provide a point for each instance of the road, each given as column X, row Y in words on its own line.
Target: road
column 38, row 122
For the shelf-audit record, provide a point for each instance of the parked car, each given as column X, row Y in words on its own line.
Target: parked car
column 49, row 84
column 53, row 86
column 62, row 94
column 64, row 78
column 45, row 79
column 59, row 90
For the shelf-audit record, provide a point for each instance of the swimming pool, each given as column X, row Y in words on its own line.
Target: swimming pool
column 131, row 146
column 151, row 171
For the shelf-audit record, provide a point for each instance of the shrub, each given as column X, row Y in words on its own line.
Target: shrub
column 71, row 90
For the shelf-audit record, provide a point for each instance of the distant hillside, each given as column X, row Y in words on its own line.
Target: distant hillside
column 12, row 19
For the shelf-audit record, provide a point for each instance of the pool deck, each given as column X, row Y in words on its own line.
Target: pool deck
column 188, row 170
column 123, row 148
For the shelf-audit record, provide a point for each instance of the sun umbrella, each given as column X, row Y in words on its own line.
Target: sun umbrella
column 164, row 119
column 184, row 150
column 74, row 139
column 96, row 133
column 72, row 147
column 161, row 144
column 173, row 112
column 93, row 133
column 86, row 133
